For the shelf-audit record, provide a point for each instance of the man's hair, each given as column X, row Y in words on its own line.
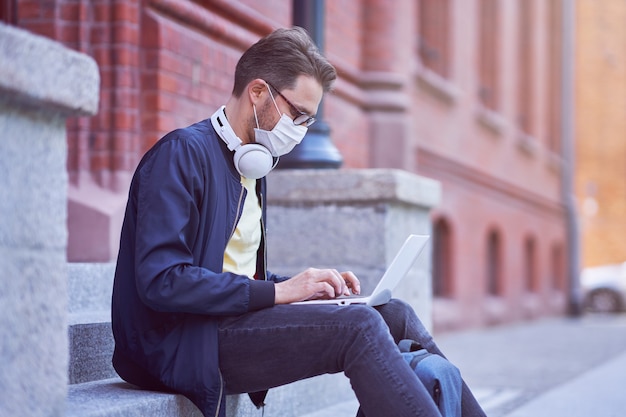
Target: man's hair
column 279, row 58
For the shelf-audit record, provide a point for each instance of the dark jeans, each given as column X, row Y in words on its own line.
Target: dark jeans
column 287, row 343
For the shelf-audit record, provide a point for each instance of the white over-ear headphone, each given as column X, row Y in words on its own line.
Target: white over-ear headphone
column 252, row 160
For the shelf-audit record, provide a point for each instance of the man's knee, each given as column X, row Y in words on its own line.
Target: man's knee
column 403, row 322
column 397, row 311
column 365, row 319
column 397, row 307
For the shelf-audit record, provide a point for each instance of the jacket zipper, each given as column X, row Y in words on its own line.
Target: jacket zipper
column 241, row 195
column 264, row 240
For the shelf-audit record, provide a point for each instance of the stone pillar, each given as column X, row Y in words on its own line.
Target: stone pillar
column 352, row 220
column 41, row 84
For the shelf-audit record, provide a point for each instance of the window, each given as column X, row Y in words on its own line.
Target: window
column 554, row 75
column 494, row 264
column 530, row 266
column 488, row 54
column 558, row 267
column 8, row 11
column 433, row 40
column 442, row 262
column 525, row 67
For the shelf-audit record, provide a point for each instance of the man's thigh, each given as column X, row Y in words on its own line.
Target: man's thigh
column 287, row 343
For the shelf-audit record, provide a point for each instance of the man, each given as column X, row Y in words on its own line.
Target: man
column 194, row 308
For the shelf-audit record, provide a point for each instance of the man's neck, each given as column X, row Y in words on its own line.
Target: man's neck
column 237, row 119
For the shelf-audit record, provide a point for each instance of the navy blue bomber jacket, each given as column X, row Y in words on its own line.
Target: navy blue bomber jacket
column 184, row 202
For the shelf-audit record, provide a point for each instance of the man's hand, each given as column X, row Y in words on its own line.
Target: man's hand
column 316, row 283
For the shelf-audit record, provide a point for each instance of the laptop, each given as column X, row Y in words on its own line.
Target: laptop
column 398, row 269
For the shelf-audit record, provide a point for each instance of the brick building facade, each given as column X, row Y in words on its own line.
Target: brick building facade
column 465, row 92
column 601, row 127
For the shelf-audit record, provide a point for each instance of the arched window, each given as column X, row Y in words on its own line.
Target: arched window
column 442, row 260
column 557, row 268
column 531, row 280
column 494, row 264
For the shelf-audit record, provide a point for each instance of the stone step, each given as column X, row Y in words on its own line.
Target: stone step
column 115, row 398
column 91, row 371
column 344, row 409
column 96, row 391
column 91, row 349
column 90, row 286
column 89, row 328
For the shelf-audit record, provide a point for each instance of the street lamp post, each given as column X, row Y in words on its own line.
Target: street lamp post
column 316, row 149
column 568, row 149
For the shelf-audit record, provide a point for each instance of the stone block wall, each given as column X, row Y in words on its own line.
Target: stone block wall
column 41, row 84
column 352, row 220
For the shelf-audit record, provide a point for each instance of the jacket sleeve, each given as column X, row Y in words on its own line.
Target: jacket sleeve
column 276, row 278
column 169, row 189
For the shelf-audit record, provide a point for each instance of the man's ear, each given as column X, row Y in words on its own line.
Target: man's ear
column 256, row 90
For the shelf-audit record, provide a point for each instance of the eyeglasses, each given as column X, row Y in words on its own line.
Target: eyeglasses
column 302, row 118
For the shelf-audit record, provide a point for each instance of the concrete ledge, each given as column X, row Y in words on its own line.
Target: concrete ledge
column 41, row 84
column 42, row 73
column 116, row 398
column 352, row 220
column 319, row 186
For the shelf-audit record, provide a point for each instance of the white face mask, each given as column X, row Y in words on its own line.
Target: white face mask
column 283, row 137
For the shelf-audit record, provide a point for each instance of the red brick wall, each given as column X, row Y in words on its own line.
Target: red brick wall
column 109, row 31
column 163, row 64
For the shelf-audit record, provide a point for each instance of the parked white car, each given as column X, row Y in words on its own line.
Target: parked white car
column 604, row 288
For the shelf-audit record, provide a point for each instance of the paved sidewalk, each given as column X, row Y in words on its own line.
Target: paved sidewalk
column 599, row 392
column 557, row 367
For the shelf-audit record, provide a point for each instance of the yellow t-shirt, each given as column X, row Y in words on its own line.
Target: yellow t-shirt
column 240, row 254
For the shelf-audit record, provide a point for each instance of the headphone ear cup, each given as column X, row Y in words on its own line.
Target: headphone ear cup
column 253, row 161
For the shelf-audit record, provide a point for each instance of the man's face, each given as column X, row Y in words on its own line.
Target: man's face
column 305, row 97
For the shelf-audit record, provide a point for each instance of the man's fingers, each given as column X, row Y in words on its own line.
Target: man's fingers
column 352, row 281
column 320, row 290
column 325, row 290
column 342, row 283
column 332, row 278
column 318, row 283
